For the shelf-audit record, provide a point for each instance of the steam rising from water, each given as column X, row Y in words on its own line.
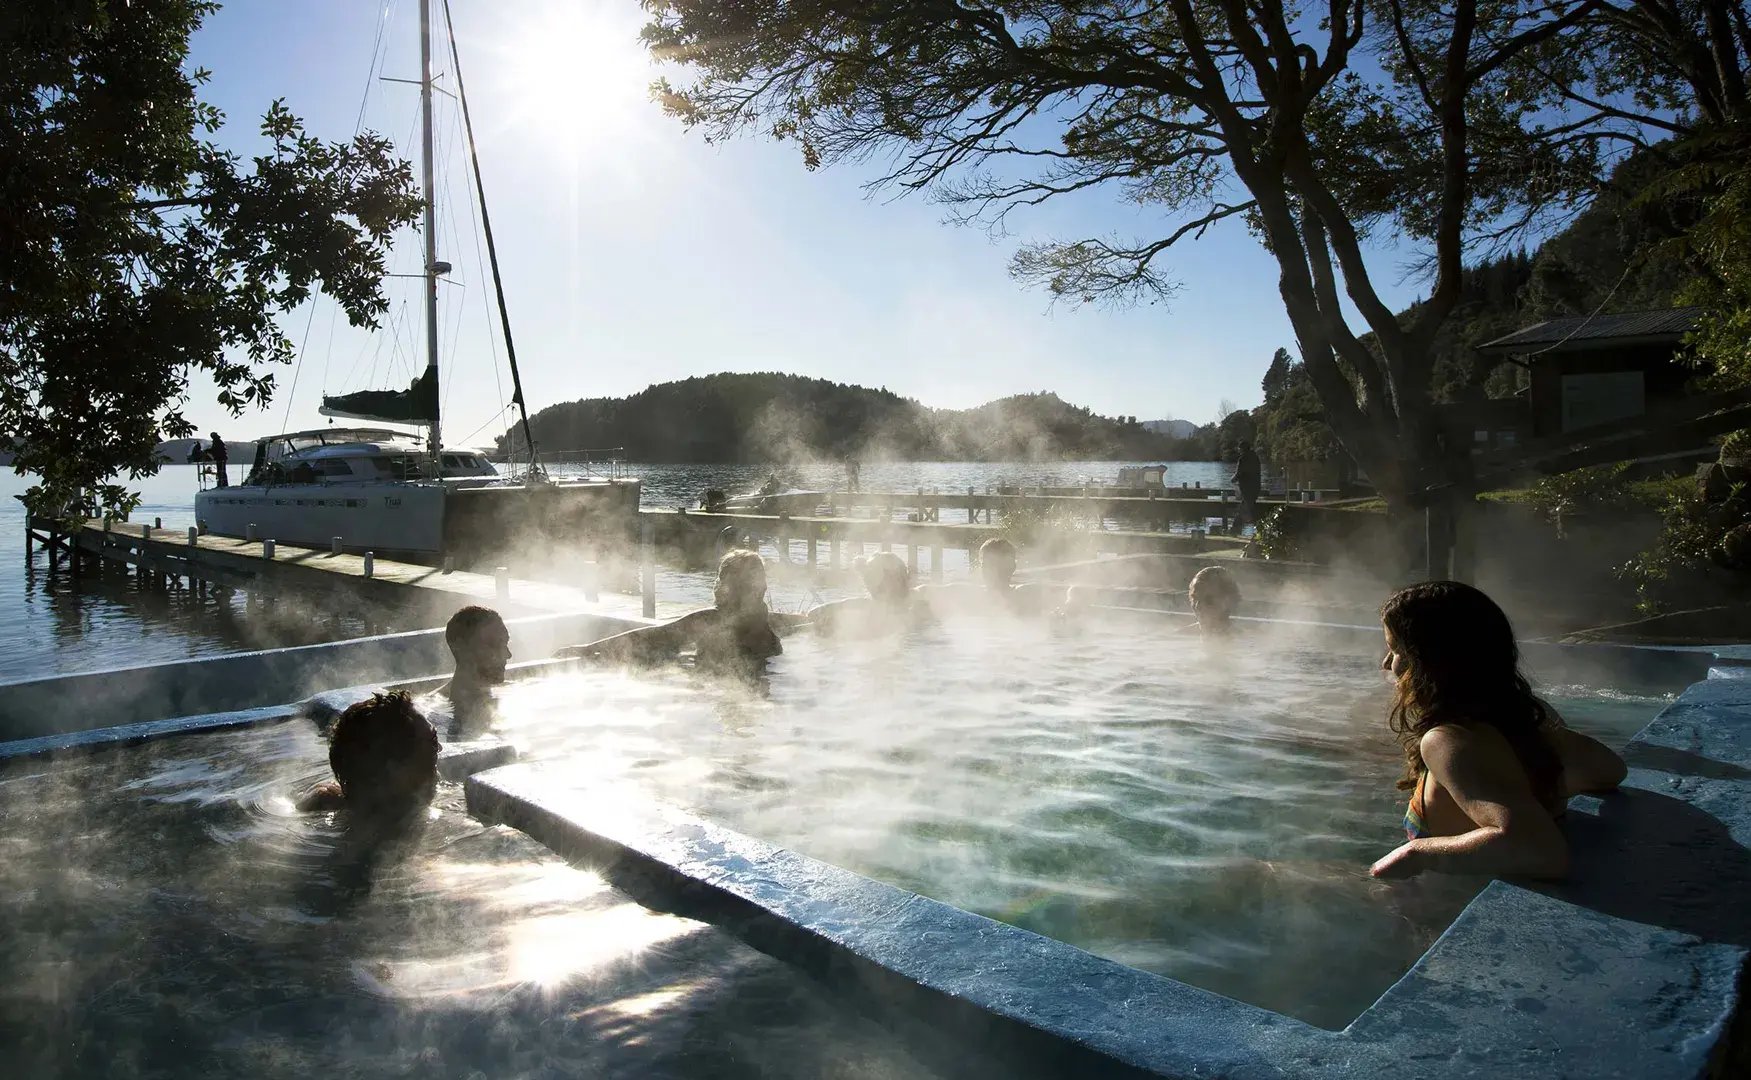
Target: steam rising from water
column 162, row 912
column 1204, row 811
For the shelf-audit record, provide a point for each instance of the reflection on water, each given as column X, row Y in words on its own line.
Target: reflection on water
column 1207, row 815
column 164, row 912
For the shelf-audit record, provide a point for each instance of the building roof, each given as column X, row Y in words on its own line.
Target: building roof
column 1582, row 331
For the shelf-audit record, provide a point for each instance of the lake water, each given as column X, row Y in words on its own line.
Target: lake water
column 60, row 626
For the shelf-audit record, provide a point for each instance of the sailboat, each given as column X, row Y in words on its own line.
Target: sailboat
column 400, row 494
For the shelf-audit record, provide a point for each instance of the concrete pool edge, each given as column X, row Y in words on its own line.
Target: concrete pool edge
column 1005, row 994
column 1636, row 968
column 263, row 678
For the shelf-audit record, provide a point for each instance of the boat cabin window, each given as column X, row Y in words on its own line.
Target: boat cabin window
column 402, row 467
column 338, row 468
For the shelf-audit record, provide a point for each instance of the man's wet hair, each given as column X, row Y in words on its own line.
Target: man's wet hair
column 998, row 546
column 383, row 750
column 468, row 622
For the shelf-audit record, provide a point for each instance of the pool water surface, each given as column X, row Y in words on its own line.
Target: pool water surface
column 1207, row 813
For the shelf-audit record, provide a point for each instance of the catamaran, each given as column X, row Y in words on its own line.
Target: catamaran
column 404, row 494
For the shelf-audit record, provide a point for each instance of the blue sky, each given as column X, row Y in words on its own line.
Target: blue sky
column 635, row 253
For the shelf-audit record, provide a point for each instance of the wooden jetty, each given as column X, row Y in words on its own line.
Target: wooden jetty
column 1178, row 506
column 166, row 559
column 830, row 543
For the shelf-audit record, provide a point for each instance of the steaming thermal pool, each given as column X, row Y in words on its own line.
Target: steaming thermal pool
column 1204, row 813
column 165, row 912
column 1208, row 813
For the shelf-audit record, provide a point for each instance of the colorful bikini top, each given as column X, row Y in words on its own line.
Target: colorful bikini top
column 1416, row 826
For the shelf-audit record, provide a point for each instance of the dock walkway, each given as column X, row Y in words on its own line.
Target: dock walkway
column 348, row 581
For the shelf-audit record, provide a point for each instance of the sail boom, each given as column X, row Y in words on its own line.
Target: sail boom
column 418, row 404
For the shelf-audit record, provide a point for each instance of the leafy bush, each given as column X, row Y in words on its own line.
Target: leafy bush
column 1278, row 536
column 1699, row 539
column 1600, row 490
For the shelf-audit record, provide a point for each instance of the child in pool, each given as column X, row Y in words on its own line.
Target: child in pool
column 1489, row 766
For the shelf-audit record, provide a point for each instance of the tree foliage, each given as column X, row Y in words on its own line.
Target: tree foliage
column 1450, row 126
column 135, row 251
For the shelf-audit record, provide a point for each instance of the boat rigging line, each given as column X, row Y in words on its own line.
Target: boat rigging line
column 492, row 253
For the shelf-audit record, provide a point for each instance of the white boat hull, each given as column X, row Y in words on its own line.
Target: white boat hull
column 393, row 516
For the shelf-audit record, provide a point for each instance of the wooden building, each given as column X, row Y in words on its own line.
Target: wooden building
column 1592, row 370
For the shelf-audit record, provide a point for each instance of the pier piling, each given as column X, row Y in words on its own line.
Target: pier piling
column 647, row 569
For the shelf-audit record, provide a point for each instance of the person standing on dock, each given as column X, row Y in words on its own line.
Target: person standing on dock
column 217, row 454
column 1247, row 480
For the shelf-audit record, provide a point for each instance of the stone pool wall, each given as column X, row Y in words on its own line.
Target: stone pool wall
column 58, row 704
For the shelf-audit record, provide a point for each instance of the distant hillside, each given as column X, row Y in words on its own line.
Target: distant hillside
column 1178, row 429
column 772, row 417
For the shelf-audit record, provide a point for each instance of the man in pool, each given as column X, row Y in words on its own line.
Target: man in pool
column 996, row 592
column 385, row 760
column 1214, row 597
column 481, row 646
column 737, row 634
column 889, row 608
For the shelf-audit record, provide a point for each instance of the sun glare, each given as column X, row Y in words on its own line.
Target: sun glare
column 575, row 74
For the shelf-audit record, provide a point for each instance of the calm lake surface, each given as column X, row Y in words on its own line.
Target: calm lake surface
column 59, row 626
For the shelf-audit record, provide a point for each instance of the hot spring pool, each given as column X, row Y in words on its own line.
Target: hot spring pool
column 1205, row 813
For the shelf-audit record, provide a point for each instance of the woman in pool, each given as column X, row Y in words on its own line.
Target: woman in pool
column 738, row 632
column 1489, row 766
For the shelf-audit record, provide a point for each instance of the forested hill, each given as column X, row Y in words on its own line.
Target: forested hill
column 772, row 417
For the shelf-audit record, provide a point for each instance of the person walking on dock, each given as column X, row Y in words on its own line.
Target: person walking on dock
column 1246, row 479
column 217, row 454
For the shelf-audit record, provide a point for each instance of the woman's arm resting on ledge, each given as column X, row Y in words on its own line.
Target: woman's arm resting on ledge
column 642, row 643
column 1514, row 834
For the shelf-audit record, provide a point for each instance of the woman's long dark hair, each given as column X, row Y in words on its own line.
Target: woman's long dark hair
column 1463, row 667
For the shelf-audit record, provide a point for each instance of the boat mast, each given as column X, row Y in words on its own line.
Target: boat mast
column 433, row 267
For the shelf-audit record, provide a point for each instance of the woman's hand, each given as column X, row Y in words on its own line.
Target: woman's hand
column 1403, row 861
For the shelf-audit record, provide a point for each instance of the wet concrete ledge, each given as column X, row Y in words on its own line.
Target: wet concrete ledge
column 1636, row 968
column 57, row 704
